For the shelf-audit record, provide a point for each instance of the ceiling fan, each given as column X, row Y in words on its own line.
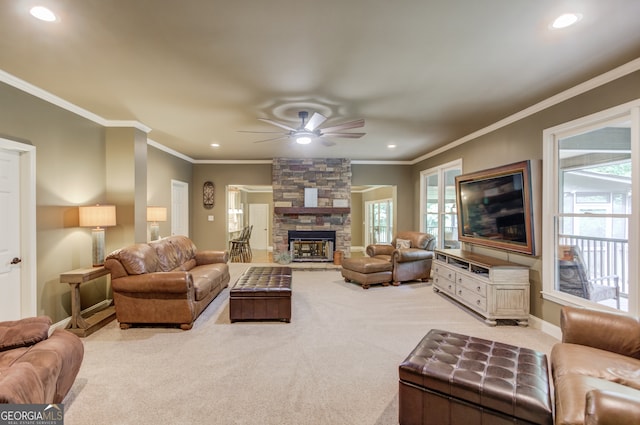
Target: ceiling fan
column 309, row 129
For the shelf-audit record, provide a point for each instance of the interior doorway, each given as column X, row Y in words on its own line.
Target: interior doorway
column 18, row 296
column 259, row 219
column 179, row 208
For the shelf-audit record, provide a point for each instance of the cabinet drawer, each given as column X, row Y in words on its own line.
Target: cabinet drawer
column 444, row 284
column 472, row 298
column 444, row 271
column 472, row 285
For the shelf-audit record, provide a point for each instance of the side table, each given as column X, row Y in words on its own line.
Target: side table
column 85, row 326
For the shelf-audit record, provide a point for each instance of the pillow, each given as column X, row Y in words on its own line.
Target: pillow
column 25, row 332
column 403, row 243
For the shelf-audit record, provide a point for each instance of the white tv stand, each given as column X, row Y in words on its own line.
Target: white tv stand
column 493, row 288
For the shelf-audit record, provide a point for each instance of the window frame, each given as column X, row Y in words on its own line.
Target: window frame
column 440, row 171
column 368, row 219
column 550, row 200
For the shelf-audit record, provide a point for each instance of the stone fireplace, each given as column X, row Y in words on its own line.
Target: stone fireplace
column 332, row 179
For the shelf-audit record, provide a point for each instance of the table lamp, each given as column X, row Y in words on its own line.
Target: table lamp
column 97, row 217
column 154, row 215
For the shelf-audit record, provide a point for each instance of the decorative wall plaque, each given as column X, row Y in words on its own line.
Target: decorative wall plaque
column 208, row 195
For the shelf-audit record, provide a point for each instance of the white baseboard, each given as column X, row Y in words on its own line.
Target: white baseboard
column 546, row 327
column 86, row 312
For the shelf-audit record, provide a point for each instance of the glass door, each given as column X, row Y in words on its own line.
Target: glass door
column 439, row 211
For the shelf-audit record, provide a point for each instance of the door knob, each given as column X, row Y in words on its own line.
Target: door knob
column 16, row 260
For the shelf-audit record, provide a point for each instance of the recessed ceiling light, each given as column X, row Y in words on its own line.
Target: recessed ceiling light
column 391, row 146
column 566, row 20
column 43, row 14
column 215, row 145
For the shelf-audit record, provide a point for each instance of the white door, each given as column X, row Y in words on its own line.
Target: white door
column 259, row 219
column 179, row 208
column 10, row 257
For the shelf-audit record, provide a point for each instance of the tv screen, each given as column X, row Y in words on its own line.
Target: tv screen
column 494, row 208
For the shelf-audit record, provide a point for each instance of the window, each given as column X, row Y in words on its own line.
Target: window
column 438, row 203
column 589, row 212
column 379, row 219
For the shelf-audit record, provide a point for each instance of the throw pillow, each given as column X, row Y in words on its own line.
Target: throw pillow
column 403, row 243
column 24, row 332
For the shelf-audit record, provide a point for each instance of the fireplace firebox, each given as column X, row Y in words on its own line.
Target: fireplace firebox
column 312, row 245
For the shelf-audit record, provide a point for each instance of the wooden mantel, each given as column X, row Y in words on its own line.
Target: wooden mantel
column 311, row 210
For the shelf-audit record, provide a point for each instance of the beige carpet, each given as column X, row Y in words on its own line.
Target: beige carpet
column 335, row 363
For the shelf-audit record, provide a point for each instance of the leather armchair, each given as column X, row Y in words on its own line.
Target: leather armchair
column 413, row 263
column 596, row 368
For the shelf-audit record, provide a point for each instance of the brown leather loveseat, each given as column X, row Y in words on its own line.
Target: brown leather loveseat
column 596, row 368
column 411, row 262
column 37, row 367
column 165, row 282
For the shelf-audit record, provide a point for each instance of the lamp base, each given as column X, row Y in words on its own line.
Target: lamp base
column 155, row 231
column 97, row 255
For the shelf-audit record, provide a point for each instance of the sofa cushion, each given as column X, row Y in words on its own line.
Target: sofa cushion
column 571, row 391
column 25, row 332
column 207, row 278
column 20, row 384
column 569, row 359
column 173, row 252
column 137, row 259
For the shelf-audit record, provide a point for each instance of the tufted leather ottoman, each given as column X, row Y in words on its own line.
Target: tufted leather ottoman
column 262, row 293
column 366, row 271
column 453, row 379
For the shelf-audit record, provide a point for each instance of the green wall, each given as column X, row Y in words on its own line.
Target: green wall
column 70, row 171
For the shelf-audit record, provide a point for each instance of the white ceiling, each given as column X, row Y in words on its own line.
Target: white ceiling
column 422, row 73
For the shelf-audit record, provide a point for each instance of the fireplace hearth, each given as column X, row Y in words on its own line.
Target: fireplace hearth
column 312, row 245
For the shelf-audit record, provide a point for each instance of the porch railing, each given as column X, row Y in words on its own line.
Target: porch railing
column 603, row 257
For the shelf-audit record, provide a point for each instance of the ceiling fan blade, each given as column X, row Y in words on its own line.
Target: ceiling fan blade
column 345, row 135
column 345, row 126
column 327, row 143
column 315, row 121
column 277, row 124
column 269, row 132
column 273, row 139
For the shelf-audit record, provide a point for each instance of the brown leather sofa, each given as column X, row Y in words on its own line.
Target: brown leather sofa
column 35, row 367
column 413, row 263
column 596, row 368
column 165, row 282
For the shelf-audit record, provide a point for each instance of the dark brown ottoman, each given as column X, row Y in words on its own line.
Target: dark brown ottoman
column 453, row 379
column 367, row 271
column 262, row 293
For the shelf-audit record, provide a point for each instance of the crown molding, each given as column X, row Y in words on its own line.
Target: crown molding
column 588, row 85
column 170, row 151
column 26, row 87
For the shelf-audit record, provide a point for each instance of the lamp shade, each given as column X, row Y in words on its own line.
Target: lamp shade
column 97, row 216
column 156, row 214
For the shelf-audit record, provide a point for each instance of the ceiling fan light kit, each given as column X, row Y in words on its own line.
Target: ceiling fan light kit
column 309, row 130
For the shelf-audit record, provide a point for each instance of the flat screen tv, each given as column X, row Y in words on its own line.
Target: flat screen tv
column 494, row 208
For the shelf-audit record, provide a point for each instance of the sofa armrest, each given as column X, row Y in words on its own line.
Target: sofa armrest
column 611, row 408
column 603, row 330
column 380, row 249
column 411, row 254
column 211, row 257
column 159, row 282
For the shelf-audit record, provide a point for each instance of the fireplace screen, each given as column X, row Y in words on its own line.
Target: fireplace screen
column 312, row 245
